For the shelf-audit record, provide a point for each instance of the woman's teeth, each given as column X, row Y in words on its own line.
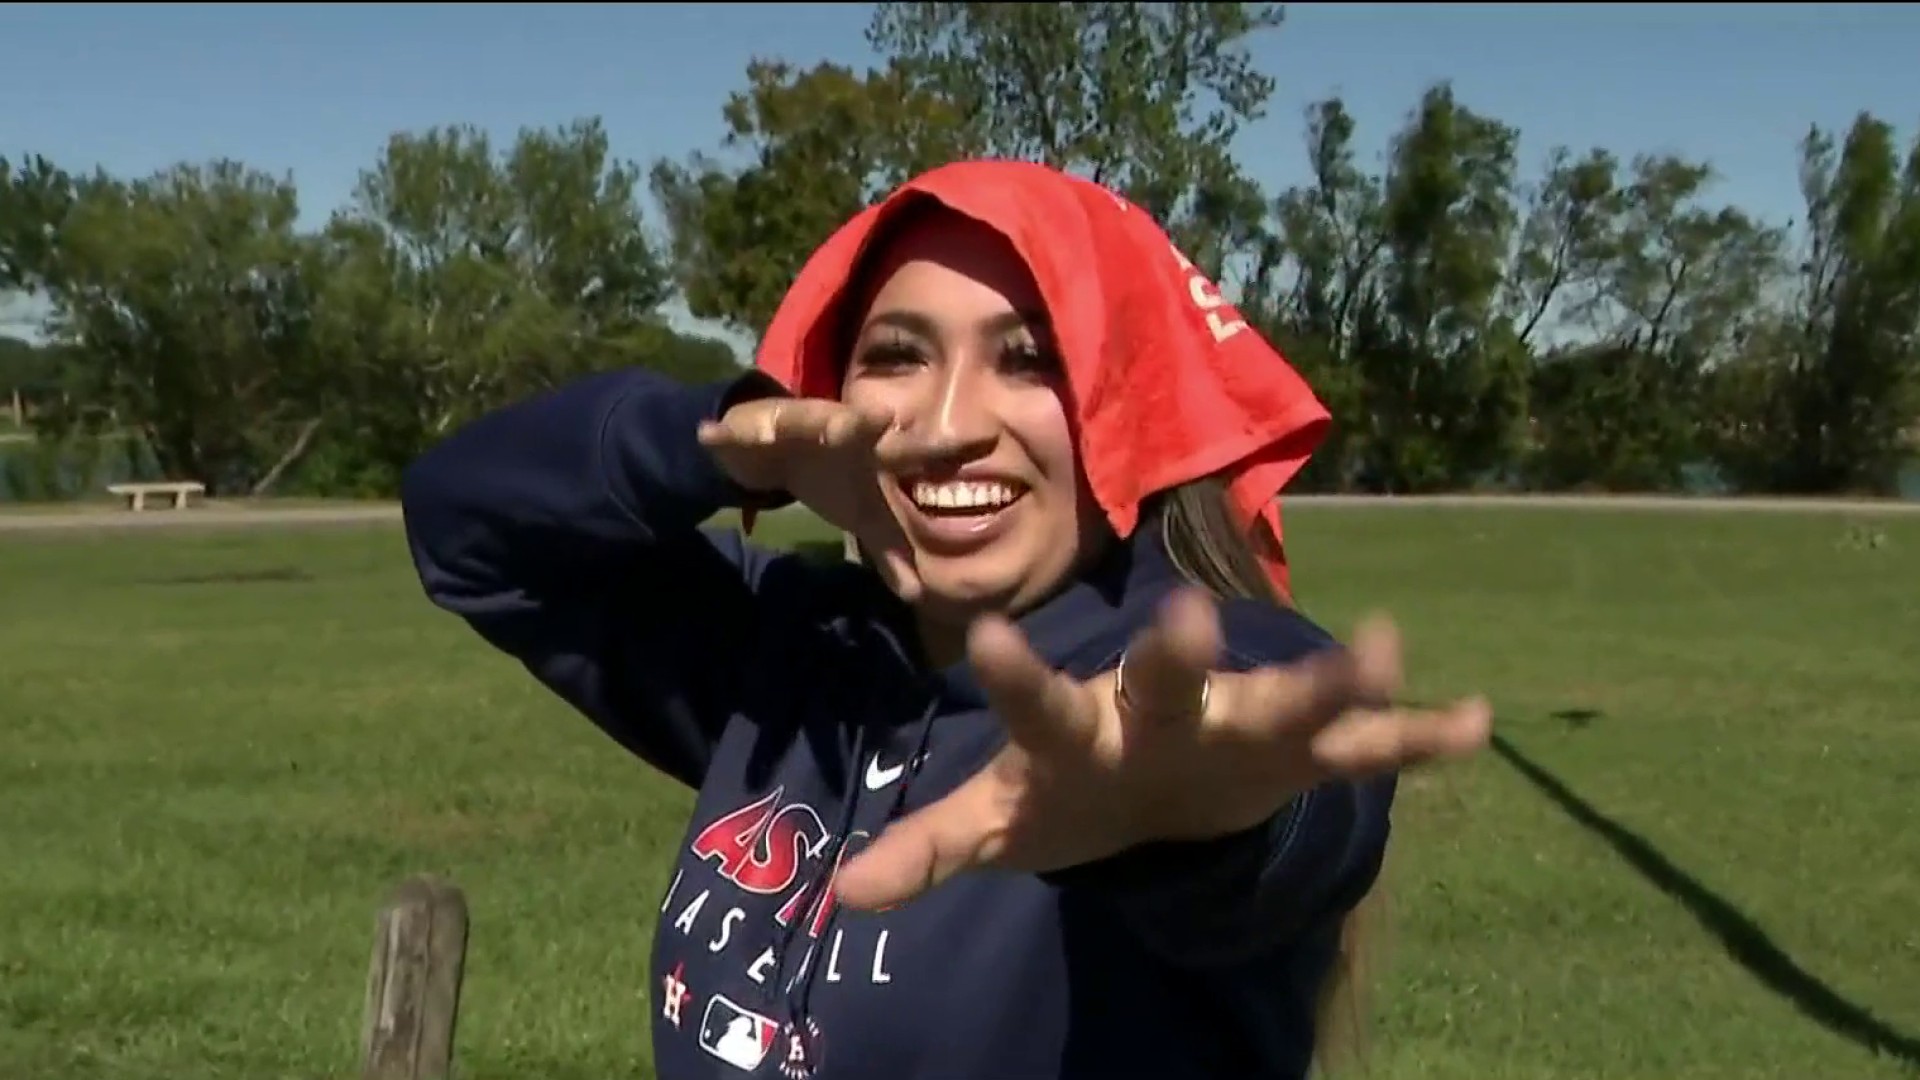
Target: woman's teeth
column 981, row 496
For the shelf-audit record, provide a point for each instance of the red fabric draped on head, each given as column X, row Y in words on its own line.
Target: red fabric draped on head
column 1166, row 383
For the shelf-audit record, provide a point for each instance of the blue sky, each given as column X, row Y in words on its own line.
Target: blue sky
column 315, row 89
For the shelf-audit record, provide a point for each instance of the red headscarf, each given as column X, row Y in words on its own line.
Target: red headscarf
column 1166, row 382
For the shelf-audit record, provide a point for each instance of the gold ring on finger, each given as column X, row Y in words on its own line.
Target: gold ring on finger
column 1123, row 701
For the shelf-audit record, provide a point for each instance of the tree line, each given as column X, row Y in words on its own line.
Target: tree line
column 1580, row 320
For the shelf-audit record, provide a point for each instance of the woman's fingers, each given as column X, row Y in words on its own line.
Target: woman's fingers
column 810, row 422
column 1299, row 700
column 1367, row 742
column 958, row 833
column 1044, row 710
column 1163, row 674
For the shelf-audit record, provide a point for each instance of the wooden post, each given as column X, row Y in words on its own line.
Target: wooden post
column 413, row 984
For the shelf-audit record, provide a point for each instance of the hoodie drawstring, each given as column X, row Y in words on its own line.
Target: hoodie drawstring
column 799, row 992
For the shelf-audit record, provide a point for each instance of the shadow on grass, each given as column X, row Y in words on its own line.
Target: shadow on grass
column 1738, row 935
column 1577, row 718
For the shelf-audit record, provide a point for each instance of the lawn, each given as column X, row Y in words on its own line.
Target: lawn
column 1692, row 855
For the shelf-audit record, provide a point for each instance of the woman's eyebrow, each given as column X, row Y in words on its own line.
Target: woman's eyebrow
column 915, row 322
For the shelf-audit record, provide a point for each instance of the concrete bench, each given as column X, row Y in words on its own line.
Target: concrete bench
column 177, row 490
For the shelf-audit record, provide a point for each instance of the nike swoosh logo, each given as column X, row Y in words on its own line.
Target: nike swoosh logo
column 878, row 777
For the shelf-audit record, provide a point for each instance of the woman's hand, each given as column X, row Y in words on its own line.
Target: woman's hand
column 827, row 456
column 1163, row 748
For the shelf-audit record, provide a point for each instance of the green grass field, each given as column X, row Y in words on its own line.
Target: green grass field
column 1693, row 853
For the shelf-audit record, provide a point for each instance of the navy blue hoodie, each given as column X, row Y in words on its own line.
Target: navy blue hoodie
column 567, row 530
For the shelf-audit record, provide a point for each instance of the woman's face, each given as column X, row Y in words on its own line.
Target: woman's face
column 956, row 344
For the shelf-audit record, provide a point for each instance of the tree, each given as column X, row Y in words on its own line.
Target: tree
column 1310, row 284
column 460, row 278
column 1831, row 399
column 817, row 147
column 189, row 311
column 1565, row 244
column 1144, row 98
column 30, row 378
column 1446, row 373
column 1462, row 324
column 1675, row 292
column 35, row 197
column 1388, row 295
column 181, row 303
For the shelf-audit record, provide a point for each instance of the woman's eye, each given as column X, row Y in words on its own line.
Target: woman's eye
column 1028, row 358
column 887, row 355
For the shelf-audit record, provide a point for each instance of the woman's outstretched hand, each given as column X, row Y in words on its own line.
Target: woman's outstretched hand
column 1164, row 748
column 826, row 455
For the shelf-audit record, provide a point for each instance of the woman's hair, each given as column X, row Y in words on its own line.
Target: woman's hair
column 1211, row 550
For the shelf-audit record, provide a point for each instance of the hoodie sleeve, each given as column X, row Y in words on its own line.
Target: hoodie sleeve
column 565, row 530
column 1234, row 898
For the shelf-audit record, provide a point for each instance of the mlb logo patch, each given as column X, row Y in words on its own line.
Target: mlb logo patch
column 737, row 1036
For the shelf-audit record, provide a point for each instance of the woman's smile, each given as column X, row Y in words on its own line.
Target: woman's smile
column 959, row 514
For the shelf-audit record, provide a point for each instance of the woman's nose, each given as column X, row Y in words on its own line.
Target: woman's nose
column 959, row 416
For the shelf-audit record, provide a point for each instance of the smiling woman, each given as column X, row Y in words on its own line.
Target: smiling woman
column 955, row 338
column 1059, row 451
